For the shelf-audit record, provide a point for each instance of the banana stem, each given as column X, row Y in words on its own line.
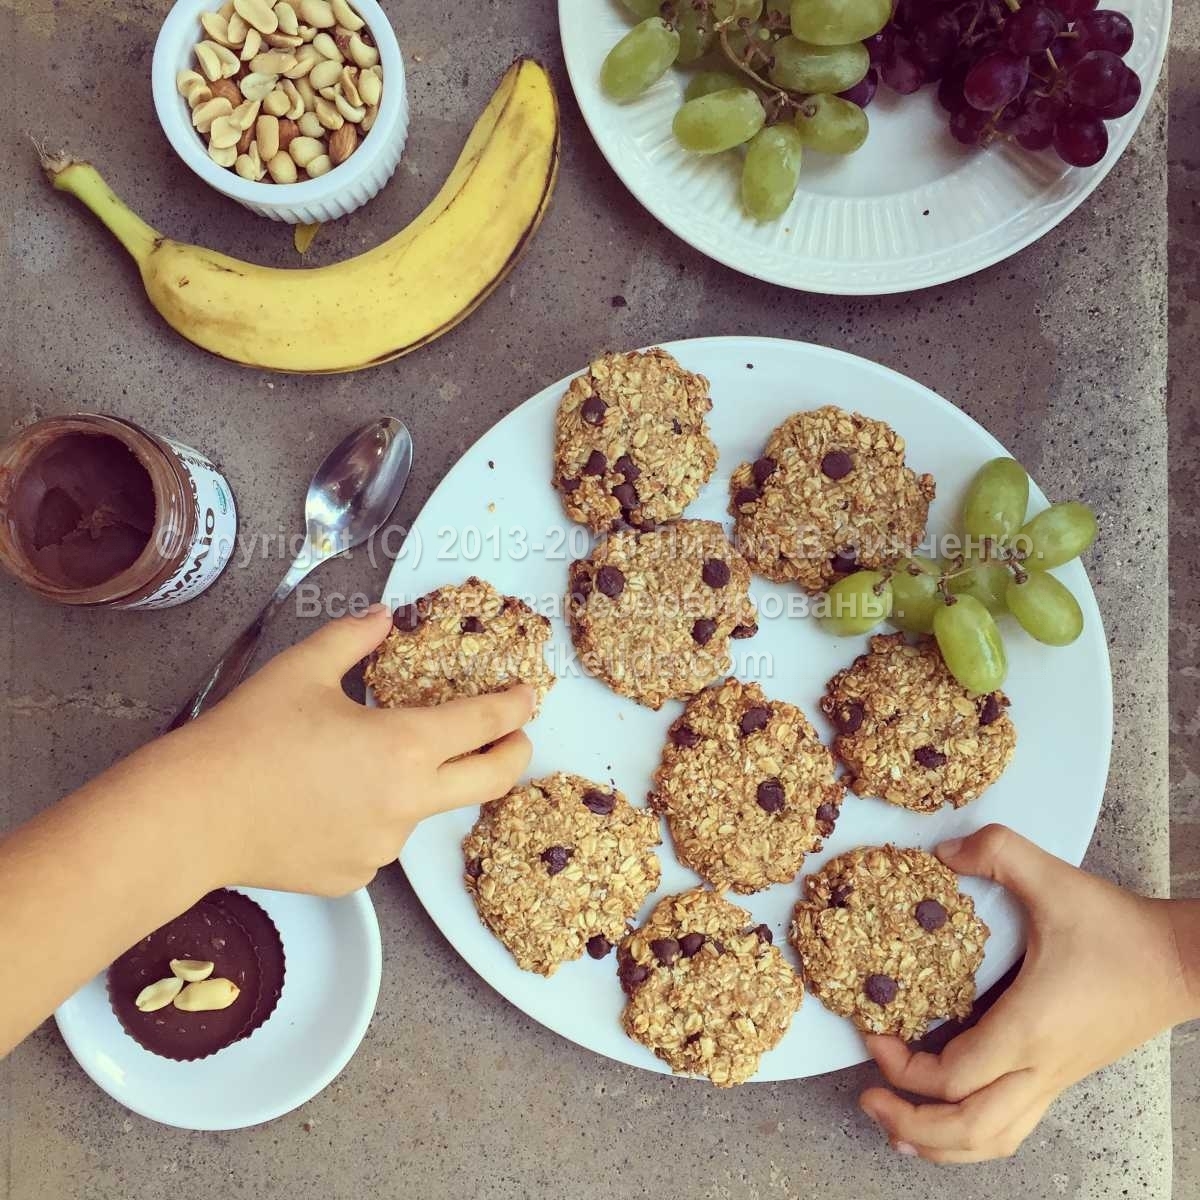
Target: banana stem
column 85, row 183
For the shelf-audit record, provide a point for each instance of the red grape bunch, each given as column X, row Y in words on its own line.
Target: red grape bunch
column 1042, row 73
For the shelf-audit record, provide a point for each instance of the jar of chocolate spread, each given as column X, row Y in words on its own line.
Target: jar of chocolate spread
column 95, row 510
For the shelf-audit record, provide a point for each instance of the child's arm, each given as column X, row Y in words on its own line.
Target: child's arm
column 1105, row 970
column 286, row 784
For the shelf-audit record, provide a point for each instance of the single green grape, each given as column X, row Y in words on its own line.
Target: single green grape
column 695, row 34
column 644, row 9
column 704, row 83
column 719, row 121
column 996, row 500
column 987, row 582
column 804, row 67
column 737, row 10
column 1056, row 535
column 831, row 125
column 639, row 59
column 836, row 22
column 771, row 172
column 857, row 603
column 916, row 596
column 970, row 642
column 1045, row 609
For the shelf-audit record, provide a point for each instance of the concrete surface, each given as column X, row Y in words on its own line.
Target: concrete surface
column 1060, row 351
column 1184, row 421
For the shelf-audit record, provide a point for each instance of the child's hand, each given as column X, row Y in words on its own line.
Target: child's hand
column 309, row 791
column 1102, row 974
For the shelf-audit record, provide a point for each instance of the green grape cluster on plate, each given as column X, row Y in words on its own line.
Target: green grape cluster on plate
column 1005, row 569
column 770, row 77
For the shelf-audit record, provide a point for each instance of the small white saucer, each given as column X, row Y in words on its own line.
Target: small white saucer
column 334, row 963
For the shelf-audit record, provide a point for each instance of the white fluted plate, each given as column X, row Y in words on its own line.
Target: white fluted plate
column 911, row 209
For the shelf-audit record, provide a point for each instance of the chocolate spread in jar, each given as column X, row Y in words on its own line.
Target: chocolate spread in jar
column 96, row 511
column 83, row 509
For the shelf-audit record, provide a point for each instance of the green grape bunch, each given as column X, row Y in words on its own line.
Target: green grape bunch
column 1004, row 572
column 770, row 78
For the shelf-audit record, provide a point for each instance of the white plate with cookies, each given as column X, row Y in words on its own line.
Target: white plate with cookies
column 497, row 516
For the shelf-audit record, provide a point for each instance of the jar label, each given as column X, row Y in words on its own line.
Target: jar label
column 216, row 533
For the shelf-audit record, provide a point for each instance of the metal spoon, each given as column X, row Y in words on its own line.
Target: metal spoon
column 350, row 497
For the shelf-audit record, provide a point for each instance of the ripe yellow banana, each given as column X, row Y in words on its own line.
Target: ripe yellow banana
column 387, row 302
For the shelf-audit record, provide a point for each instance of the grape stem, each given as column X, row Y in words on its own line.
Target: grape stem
column 778, row 95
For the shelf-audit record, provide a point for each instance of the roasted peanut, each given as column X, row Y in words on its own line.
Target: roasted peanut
column 255, row 86
column 285, row 14
column 257, row 13
column 252, row 45
column 158, row 995
column 310, row 127
column 328, row 114
column 327, row 48
column 345, row 16
column 362, row 54
column 317, row 13
column 304, row 149
column 324, row 74
column 319, row 166
column 277, row 103
column 203, row 115
column 266, row 134
column 281, row 168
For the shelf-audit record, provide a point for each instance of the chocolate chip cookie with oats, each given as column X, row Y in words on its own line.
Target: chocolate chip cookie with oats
column 830, row 494
column 466, row 640
column 560, row 865
column 652, row 613
column 908, row 732
column 747, row 788
column 707, row 991
column 888, row 940
column 631, row 442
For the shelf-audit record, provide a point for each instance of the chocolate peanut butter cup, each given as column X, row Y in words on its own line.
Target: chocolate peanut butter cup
column 226, row 929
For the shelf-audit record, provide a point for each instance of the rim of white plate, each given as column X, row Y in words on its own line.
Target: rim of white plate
column 990, row 206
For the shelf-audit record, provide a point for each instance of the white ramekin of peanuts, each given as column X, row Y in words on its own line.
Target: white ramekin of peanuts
column 295, row 108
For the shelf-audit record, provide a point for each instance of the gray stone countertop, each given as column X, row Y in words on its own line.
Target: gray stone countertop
column 1060, row 352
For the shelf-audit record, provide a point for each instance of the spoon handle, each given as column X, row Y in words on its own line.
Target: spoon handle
column 232, row 665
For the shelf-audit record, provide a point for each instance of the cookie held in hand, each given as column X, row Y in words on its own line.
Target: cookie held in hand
column 886, row 938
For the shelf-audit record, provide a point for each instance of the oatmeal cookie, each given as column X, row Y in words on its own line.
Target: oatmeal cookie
column 708, row 992
column 652, row 613
column 747, row 788
column 910, row 733
column 460, row 641
column 830, row 494
column 631, row 442
column 560, row 865
column 888, row 940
